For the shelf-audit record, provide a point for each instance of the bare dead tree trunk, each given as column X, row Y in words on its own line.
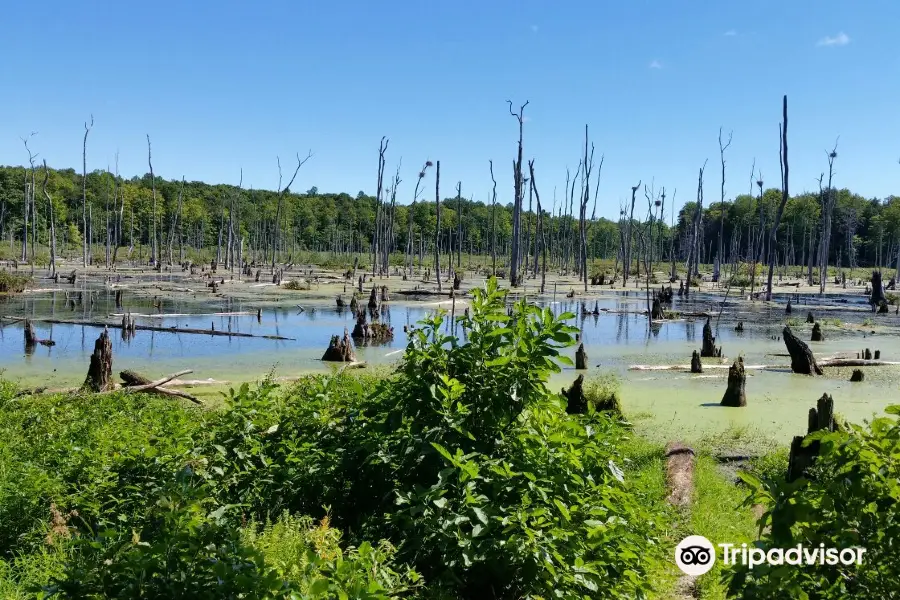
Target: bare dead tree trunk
column 175, row 219
column 382, row 148
column 52, row 217
column 720, row 252
column 784, row 196
column 694, row 252
column 84, row 229
column 409, row 238
column 154, row 258
column 582, row 209
column 829, row 211
column 459, row 226
column 626, row 248
column 108, row 255
column 494, row 223
column 281, row 192
column 437, row 230
column 517, row 205
column 540, row 226
column 25, row 208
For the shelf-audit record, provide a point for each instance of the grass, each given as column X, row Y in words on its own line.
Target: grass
column 602, row 392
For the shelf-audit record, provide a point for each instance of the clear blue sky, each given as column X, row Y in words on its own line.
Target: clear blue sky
column 221, row 86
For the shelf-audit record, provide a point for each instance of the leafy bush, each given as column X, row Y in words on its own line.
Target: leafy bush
column 12, row 283
column 602, row 393
column 296, row 285
column 849, row 501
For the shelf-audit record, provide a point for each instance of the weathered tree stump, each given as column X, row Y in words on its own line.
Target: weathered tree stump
column 681, row 288
column 576, row 401
column 709, row 349
column 118, row 298
column 129, row 326
column 696, row 365
column 877, row 355
column 99, row 375
column 735, row 395
column 802, row 359
column 882, row 308
column 740, row 326
column 30, row 338
column 354, row 302
column 817, row 335
column 656, row 312
column 788, row 309
column 810, row 318
column 258, row 273
column 581, row 358
column 373, row 298
column 360, row 284
column 71, row 278
column 857, row 375
column 384, row 294
column 802, row 457
column 340, row 349
column 340, row 302
column 457, row 281
column 679, row 474
column 877, row 291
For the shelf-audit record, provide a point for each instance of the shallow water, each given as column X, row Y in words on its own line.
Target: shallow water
column 666, row 404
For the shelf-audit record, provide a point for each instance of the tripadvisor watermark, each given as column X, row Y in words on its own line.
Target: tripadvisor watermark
column 696, row 555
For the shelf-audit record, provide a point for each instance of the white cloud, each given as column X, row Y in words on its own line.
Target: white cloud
column 730, row 33
column 841, row 39
column 534, row 28
column 656, row 65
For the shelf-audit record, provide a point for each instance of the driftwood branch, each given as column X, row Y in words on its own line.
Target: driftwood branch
column 158, row 328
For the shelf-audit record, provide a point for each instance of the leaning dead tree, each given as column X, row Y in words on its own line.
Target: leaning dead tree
column 721, row 249
column 494, row 223
column 52, row 218
column 409, row 237
column 542, row 240
column 802, row 359
column 783, row 155
column 281, row 192
column 517, row 204
column 437, row 231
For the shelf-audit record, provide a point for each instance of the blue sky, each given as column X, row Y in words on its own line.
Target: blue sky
column 221, row 86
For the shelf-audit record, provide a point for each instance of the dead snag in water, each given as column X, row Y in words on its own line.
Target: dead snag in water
column 118, row 298
column 340, row 349
column 817, row 335
column 857, row 376
column 735, row 394
column 99, row 375
column 30, row 338
column 657, row 313
column 709, row 349
column 877, row 298
column 877, row 355
column 373, row 298
column 810, row 318
column 802, row 456
column 739, row 327
column 788, row 309
column 340, row 302
column 354, row 302
column 581, row 358
column 696, row 365
column 457, row 281
column 384, row 294
column 576, row 401
column 802, row 359
column 679, row 474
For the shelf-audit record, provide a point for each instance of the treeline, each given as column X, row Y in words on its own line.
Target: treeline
column 174, row 220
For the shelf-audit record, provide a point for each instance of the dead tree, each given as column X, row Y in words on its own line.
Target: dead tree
column 52, row 217
column 437, row 230
column 99, row 375
column 735, row 395
column 721, row 249
column 709, row 349
column 576, row 401
column 340, row 349
column 829, row 201
column 877, row 299
column 540, row 225
column 694, row 251
column 802, row 359
column 494, row 223
column 84, row 229
column 817, row 335
column 281, row 192
column 696, row 365
column 803, row 455
column 154, row 258
column 411, row 219
column 783, row 155
column 517, row 204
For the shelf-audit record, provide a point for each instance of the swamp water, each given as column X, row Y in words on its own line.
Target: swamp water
column 665, row 404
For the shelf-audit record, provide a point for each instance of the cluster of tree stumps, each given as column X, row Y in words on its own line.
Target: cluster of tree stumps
column 709, row 348
column 803, row 455
column 340, row 349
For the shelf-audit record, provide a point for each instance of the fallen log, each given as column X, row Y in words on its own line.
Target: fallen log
column 155, row 387
column 172, row 329
column 838, row 362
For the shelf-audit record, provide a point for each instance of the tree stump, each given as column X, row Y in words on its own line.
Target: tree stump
column 30, row 337
column 802, row 359
column 360, row 284
column 384, row 294
column 681, row 288
column 857, row 376
column 258, row 273
column 118, row 298
column 354, row 302
column 99, row 375
column 867, row 354
column 877, row 291
column 456, row 281
column 709, row 349
column 581, row 358
column 877, row 355
column 696, row 365
column 739, row 327
column 576, row 401
column 656, row 313
column 810, row 318
column 802, row 457
column 735, row 395
column 373, row 298
column 817, row 335
column 340, row 349
column 340, row 302
column 788, row 309
column 882, row 308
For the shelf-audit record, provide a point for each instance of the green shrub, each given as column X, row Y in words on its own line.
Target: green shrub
column 602, row 393
column 850, row 500
column 13, row 283
column 296, row 285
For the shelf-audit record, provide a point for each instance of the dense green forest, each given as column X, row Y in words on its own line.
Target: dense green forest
column 194, row 219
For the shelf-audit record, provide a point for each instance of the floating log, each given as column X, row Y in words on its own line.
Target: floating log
column 817, row 335
column 802, row 456
column 679, row 474
column 163, row 329
column 735, row 395
column 340, row 349
column 709, row 348
column 802, row 359
column 857, row 375
column 696, row 365
column 99, row 375
column 581, row 358
column 857, row 362
column 576, row 401
column 131, row 378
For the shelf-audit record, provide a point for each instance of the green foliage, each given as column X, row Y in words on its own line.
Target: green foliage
column 793, row 322
column 296, row 284
column 602, row 393
column 849, row 501
column 12, row 283
column 868, row 322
